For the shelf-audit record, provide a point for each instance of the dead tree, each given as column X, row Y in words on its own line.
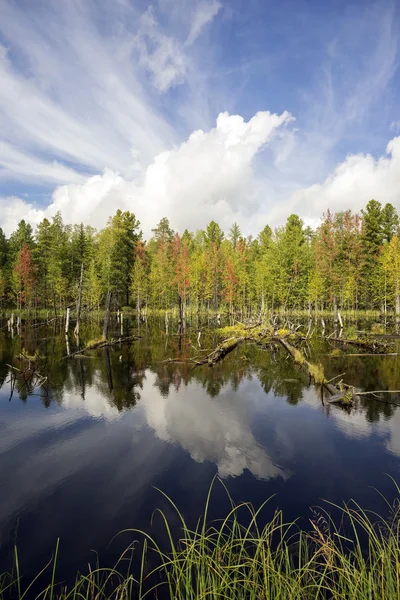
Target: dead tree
column 107, row 315
column 79, row 304
column 67, row 321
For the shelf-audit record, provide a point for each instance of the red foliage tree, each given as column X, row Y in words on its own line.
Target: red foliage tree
column 26, row 272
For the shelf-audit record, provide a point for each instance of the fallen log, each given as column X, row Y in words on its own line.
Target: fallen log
column 373, row 346
column 355, row 354
column 338, row 394
column 216, row 355
column 103, row 344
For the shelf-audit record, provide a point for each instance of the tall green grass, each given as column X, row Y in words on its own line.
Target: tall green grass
column 355, row 559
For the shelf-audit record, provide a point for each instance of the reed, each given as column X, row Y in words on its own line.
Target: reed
column 356, row 560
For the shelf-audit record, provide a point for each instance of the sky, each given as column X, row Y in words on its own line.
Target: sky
column 197, row 110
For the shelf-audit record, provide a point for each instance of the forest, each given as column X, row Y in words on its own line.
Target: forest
column 349, row 262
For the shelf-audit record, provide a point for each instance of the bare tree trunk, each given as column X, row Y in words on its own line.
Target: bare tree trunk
column 67, row 342
column 397, row 299
column 107, row 316
column 335, row 310
column 67, row 322
column 79, row 304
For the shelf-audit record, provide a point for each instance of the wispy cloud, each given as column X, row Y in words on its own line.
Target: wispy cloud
column 73, row 93
column 204, row 14
column 160, row 54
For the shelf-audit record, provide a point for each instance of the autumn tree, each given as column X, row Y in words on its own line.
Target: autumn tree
column 25, row 275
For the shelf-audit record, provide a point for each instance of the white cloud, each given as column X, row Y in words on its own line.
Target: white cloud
column 208, row 176
column 204, row 14
column 77, row 111
column 76, row 102
column 160, row 54
column 74, row 94
column 353, row 183
column 204, row 178
column 395, row 126
column 13, row 209
column 357, row 425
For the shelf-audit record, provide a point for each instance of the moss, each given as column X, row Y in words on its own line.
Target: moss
column 377, row 328
column 95, row 342
column 283, row 332
column 317, row 373
column 298, row 357
column 31, row 357
column 336, row 352
column 347, row 398
column 237, row 330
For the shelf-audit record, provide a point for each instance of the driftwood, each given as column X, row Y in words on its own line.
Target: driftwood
column 374, row 346
column 355, row 354
column 216, row 355
column 338, row 394
column 103, row 344
column 46, row 322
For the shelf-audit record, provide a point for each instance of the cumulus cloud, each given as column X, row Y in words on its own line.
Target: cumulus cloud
column 13, row 209
column 208, row 176
column 355, row 181
column 204, row 178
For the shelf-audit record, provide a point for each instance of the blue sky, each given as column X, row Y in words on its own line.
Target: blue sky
column 197, row 109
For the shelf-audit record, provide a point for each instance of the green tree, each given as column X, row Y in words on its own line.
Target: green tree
column 234, row 235
column 390, row 222
column 116, row 245
column 372, row 241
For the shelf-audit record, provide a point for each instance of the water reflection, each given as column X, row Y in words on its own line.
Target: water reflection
column 82, row 460
column 205, row 411
column 214, row 429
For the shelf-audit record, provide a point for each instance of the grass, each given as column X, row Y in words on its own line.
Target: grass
column 351, row 332
column 358, row 560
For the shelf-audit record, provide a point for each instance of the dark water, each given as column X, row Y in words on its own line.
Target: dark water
column 83, row 462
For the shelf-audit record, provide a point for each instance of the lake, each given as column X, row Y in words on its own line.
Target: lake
column 87, row 459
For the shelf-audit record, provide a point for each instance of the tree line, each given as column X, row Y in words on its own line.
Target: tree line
column 350, row 261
